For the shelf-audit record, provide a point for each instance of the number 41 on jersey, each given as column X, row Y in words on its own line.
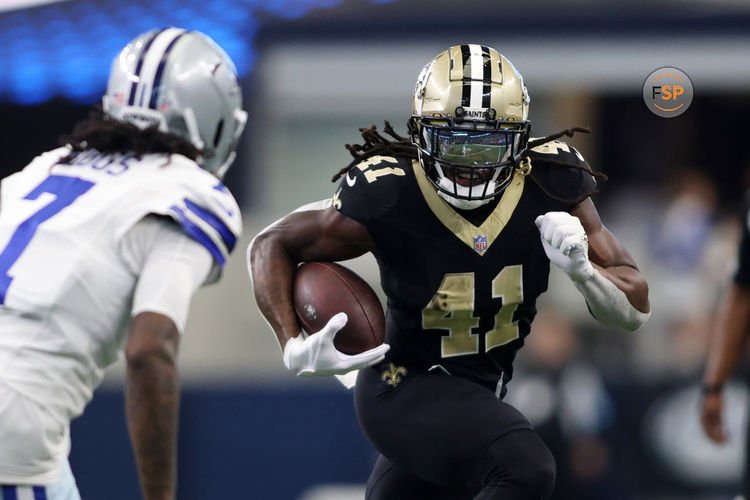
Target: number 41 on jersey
column 452, row 309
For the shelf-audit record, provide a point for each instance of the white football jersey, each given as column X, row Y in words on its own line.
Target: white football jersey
column 65, row 290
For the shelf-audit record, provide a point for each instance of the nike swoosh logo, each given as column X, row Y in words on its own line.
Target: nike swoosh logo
column 349, row 180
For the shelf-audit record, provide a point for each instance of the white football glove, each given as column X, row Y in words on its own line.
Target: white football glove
column 566, row 244
column 316, row 354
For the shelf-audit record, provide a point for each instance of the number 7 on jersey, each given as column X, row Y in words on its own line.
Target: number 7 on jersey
column 66, row 189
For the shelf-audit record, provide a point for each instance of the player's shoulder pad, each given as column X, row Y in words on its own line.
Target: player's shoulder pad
column 371, row 187
column 204, row 208
column 377, row 173
column 558, row 151
column 562, row 170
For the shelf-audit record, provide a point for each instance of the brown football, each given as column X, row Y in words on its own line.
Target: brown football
column 323, row 289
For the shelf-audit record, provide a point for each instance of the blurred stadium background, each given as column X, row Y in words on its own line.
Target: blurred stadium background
column 618, row 410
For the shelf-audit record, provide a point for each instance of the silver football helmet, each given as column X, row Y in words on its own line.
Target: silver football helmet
column 184, row 83
column 469, row 119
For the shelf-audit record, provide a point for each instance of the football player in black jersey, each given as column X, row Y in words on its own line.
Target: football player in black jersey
column 463, row 218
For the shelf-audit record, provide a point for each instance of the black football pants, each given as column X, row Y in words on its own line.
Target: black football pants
column 445, row 437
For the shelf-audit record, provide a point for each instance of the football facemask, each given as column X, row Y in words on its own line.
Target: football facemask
column 469, row 165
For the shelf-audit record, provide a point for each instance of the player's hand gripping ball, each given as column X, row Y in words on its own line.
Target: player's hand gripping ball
column 323, row 289
column 566, row 244
column 343, row 316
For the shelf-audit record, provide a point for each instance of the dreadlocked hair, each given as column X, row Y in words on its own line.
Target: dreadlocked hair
column 568, row 132
column 376, row 144
column 108, row 135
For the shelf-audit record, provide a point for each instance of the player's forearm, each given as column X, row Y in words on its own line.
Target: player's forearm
column 152, row 407
column 610, row 295
column 631, row 282
column 272, row 271
column 729, row 338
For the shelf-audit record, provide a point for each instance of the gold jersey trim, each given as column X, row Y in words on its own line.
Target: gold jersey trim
column 460, row 227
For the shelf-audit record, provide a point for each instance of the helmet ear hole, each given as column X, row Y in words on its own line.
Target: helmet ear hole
column 219, row 129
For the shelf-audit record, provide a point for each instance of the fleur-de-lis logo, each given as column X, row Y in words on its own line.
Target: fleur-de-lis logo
column 392, row 376
column 336, row 202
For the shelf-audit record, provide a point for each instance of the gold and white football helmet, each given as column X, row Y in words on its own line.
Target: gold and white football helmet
column 469, row 119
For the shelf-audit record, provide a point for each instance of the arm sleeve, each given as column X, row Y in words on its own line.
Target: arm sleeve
column 170, row 266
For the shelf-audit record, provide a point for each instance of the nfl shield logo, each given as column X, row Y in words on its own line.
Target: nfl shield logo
column 480, row 243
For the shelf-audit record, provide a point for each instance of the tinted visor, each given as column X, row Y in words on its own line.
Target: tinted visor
column 471, row 148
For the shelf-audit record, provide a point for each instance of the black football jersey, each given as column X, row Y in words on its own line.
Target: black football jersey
column 461, row 285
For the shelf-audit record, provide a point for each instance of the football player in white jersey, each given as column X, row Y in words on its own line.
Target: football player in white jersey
column 102, row 244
